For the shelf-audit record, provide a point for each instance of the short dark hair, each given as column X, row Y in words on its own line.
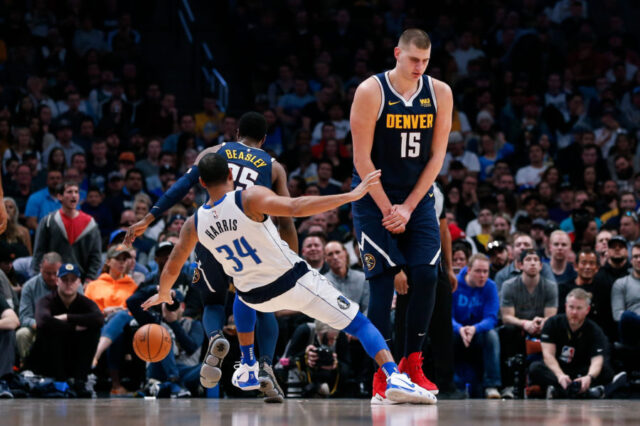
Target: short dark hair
column 415, row 36
column 252, row 125
column 214, row 168
column 132, row 171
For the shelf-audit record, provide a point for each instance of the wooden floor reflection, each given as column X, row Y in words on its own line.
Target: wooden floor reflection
column 249, row 412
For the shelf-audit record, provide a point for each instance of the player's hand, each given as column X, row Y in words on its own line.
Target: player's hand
column 396, row 221
column 4, row 217
column 400, row 283
column 157, row 299
column 453, row 280
column 366, row 185
column 585, row 383
column 564, row 381
column 137, row 229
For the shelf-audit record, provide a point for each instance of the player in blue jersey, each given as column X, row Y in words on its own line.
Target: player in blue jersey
column 400, row 121
column 250, row 166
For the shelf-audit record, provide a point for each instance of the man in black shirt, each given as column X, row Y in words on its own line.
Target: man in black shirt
column 587, row 268
column 574, row 351
column 68, row 330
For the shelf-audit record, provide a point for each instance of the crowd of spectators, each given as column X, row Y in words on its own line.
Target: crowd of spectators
column 541, row 184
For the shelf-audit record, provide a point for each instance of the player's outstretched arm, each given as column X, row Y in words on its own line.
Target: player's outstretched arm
column 177, row 258
column 364, row 114
column 286, row 228
column 259, row 200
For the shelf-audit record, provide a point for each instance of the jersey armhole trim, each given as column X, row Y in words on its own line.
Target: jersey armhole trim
column 382, row 97
column 238, row 199
column 195, row 220
column 433, row 93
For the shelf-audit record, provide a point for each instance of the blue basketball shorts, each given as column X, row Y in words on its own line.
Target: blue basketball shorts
column 209, row 277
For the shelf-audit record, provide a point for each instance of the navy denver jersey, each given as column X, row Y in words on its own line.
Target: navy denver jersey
column 249, row 166
column 403, row 134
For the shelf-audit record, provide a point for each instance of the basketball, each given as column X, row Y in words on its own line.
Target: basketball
column 152, row 343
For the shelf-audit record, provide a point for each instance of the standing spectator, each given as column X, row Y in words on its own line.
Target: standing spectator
column 475, row 315
column 574, row 350
column 32, row 291
column 71, row 233
column 560, row 250
column 617, row 266
column 625, row 301
column 43, row 202
column 8, row 323
column 68, row 328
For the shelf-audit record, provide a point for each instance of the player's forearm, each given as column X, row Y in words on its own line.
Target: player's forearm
column 425, row 181
column 364, row 167
column 314, row 204
column 175, row 193
column 169, row 276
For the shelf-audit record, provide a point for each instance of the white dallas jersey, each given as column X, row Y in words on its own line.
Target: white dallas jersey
column 250, row 252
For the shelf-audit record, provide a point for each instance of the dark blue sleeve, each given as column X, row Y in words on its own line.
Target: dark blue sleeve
column 189, row 342
column 489, row 308
column 136, row 299
column 177, row 192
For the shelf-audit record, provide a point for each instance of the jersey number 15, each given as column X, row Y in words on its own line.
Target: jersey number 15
column 410, row 146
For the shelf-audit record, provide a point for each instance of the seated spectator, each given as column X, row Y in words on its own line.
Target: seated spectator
column 461, row 252
column 498, row 257
column 532, row 174
column 521, row 242
column 71, row 233
column 182, row 366
column 602, row 242
column 625, row 301
column 560, row 250
column 587, row 268
column 64, row 136
column 457, row 152
column 32, row 291
column 325, row 182
column 526, row 301
column 475, row 315
column 617, row 266
column 575, row 353
column 350, row 282
column 312, row 252
column 95, row 207
column 322, row 354
column 68, row 328
column 110, row 292
column 8, row 323
column 44, row 201
column 16, row 234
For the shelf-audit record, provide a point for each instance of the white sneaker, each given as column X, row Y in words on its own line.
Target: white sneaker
column 210, row 372
column 491, row 393
column 401, row 389
column 378, row 399
column 246, row 377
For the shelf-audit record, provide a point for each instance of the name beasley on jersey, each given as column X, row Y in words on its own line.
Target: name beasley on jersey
column 221, row 226
column 239, row 155
column 409, row 121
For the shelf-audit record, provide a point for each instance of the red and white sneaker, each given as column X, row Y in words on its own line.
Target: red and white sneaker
column 412, row 367
column 379, row 389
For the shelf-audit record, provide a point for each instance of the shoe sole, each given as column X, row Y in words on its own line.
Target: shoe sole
column 210, row 372
column 271, row 393
column 247, row 388
column 381, row 401
column 399, row 396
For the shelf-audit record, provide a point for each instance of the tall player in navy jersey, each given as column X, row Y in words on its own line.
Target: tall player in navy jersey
column 400, row 121
column 250, row 166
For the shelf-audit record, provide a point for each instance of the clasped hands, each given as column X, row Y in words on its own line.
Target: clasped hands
column 397, row 218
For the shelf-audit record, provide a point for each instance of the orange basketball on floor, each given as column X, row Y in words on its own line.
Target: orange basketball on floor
column 152, row 343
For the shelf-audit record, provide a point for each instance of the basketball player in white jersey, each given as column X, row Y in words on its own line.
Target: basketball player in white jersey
column 235, row 227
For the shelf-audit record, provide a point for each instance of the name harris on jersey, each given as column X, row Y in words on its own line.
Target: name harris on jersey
column 223, row 225
column 246, row 156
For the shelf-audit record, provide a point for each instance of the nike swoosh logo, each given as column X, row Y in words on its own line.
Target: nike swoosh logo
column 431, row 195
column 393, row 103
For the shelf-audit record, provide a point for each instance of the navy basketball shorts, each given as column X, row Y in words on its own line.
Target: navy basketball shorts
column 209, row 277
column 380, row 250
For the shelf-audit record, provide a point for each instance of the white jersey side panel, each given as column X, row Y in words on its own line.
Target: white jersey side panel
column 251, row 252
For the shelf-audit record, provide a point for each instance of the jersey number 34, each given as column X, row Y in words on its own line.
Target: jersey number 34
column 241, row 248
column 410, row 146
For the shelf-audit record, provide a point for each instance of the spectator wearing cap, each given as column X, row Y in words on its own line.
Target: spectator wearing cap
column 8, row 323
column 617, row 266
column 71, row 233
column 474, row 318
column 110, row 292
column 175, row 223
column 457, row 152
column 32, row 291
column 526, row 302
column 532, row 173
column 560, row 254
column 64, row 134
column 625, row 301
column 126, row 161
column 44, row 201
column 521, row 242
column 68, row 326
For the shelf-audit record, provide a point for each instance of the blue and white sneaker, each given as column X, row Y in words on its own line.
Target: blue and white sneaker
column 246, row 377
column 210, row 372
column 400, row 389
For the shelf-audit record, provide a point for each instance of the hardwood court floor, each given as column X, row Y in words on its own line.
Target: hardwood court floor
column 251, row 412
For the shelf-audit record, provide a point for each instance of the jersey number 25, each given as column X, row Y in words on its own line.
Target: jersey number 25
column 410, row 146
column 243, row 177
